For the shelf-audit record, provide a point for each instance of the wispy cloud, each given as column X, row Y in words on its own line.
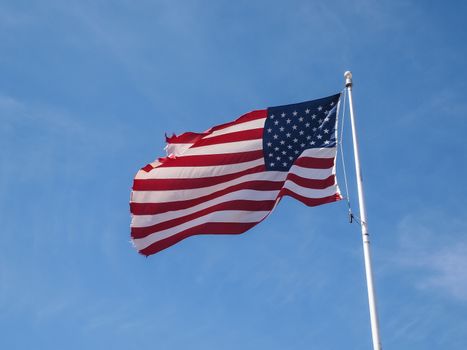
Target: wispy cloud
column 435, row 245
column 10, row 18
column 17, row 113
column 36, row 133
column 45, row 147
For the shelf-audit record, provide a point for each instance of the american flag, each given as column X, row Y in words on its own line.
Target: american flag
column 229, row 178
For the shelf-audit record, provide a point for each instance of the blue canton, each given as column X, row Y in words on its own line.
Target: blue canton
column 291, row 129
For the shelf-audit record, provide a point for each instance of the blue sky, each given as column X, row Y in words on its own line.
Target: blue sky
column 87, row 91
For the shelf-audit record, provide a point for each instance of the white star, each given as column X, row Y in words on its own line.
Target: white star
column 271, row 155
column 289, row 146
column 285, row 164
column 282, row 142
column 269, row 144
column 281, row 128
column 278, row 158
column 295, row 140
column 326, row 112
column 307, row 111
column 271, row 116
column 314, row 129
column 308, row 137
column 320, row 108
column 269, row 130
column 284, row 153
column 301, row 132
column 326, row 142
column 296, row 152
column 271, row 164
column 319, row 137
column 288, row 121
column 276, row 122
column 312, row 143
column 294, row 127
column 307, row 125
column 300, row 119
column 313, row 116
column 276, row 149
column 302, row 144
column 320, row 121
column 275, row 136
column 326, row 131
column 294, row 113
column 332, row 103
column 283, row 115
column 288, row 134
column 290, row 158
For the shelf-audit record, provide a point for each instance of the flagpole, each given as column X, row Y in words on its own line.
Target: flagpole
column 363, row 223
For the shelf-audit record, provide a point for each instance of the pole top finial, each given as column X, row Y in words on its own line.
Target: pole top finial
column 348, row 78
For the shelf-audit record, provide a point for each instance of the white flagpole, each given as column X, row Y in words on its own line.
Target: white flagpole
column 363, row 223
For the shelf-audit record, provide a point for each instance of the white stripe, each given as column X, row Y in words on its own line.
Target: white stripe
column 252, row 124
column 253, row 195
column 177, row 149
column 141, row 174
column 227, row 216
column 319, row 152
column 227, row 147
column 309, row 192
column 191, row 172
column 307, row 173
column 187, row 194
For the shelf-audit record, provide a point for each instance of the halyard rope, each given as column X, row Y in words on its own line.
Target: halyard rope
column 347, row 196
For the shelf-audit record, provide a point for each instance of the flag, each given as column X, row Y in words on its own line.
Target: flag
column 229, row 178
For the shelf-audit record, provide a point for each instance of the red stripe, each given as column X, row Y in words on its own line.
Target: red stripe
column 244, row 135
column 315, row 163
column 184, row 184
column 312, row 183
column 212, row 159
column 206, row 228
column 311, row 202
column 147, row 168
column 192, row 137
column 187, row 137
column 253, row 115
column 157, row 208
column 266, row 205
